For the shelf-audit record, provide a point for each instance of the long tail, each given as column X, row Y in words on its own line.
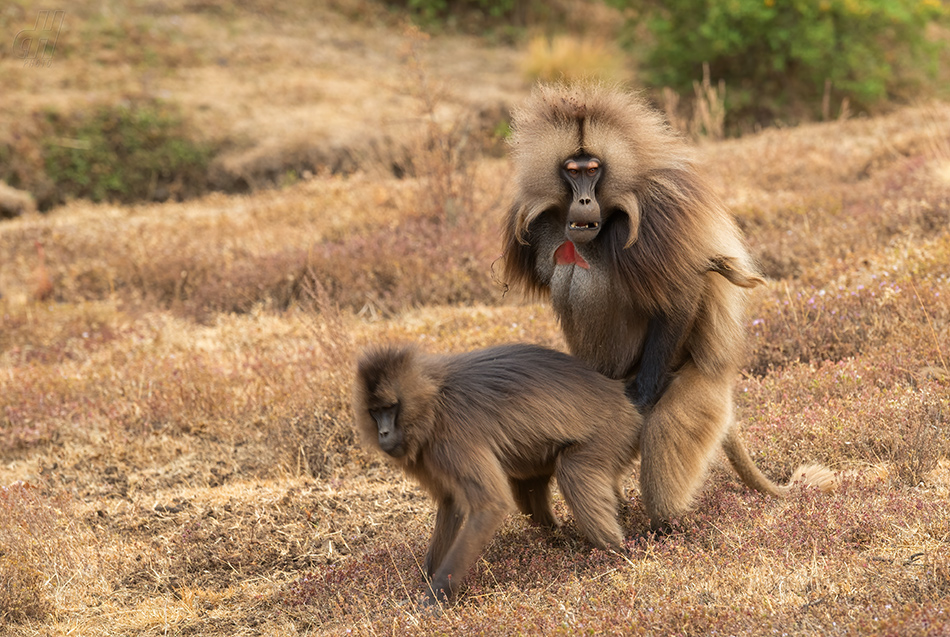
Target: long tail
column 813, row 475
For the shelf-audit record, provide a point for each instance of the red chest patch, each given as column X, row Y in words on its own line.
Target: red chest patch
column 566, row 254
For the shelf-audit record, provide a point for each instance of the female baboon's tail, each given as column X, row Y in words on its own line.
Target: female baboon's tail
column 813, row 475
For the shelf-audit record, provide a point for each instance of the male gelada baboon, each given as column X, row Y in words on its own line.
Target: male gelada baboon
column 647, row 274
column 480, row 429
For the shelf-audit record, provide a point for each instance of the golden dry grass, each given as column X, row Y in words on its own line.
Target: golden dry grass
column 177, row 456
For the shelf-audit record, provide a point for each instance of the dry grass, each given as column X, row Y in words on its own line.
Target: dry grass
column 342, row 100
column 177, row 455
column 565, row 58
column 708, row 117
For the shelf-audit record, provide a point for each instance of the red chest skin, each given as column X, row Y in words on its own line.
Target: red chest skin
column 567, row 255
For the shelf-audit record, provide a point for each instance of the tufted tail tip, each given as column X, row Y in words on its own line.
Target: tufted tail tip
column 815, row 475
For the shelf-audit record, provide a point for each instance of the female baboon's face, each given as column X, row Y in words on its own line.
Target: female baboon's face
column 389, row 434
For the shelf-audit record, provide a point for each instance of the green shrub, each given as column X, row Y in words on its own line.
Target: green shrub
column 137, row 149
column 780, row 57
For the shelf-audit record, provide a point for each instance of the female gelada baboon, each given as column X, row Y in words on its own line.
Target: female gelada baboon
column 646, row 271
column 481, row 429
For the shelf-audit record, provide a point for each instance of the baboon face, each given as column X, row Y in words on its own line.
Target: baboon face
column 582, row 172
column 389, row 433
column 383, row 406
column 393, row 402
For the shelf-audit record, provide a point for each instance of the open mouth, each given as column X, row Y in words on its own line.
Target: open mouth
column 590, row 225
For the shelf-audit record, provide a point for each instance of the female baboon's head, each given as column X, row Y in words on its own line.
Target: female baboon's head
column 394, row 401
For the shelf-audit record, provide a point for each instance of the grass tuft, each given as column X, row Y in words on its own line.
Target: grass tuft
column 570, row 58
column 36, row 552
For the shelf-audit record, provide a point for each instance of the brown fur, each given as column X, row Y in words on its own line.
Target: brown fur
column 484, row 428
column 667, row 259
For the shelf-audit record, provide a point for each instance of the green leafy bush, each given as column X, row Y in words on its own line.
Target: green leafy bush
column 779, row 56
column 137, row 149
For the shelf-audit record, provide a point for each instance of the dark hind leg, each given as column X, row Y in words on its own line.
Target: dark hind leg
column 592, row 495
column 533, row 497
